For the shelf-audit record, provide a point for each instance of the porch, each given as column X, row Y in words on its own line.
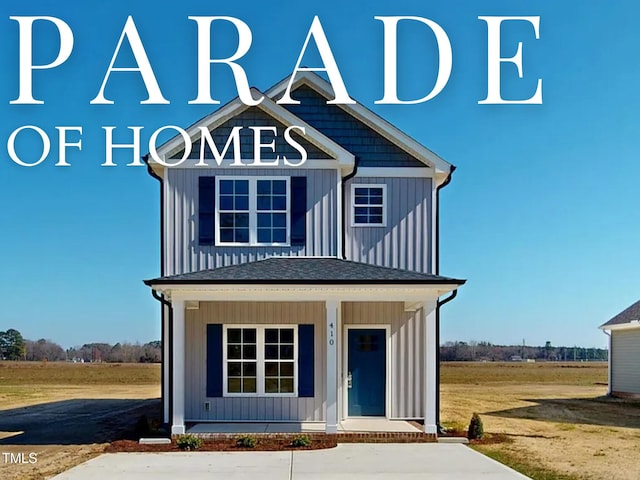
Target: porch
column 269, row 344
column 351, row 425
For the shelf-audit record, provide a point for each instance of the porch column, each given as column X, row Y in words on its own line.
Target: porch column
column 166, row 381
column 610, row 375
column 331, row 419
column 177, row 422
column 430, row 366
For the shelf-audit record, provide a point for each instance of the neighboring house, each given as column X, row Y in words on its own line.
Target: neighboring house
column 624, row 352
column 301, row 294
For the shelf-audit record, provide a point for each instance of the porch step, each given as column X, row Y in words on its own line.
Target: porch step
column 154, row 441
column 462, row 440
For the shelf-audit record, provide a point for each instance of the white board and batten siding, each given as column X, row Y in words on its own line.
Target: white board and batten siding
column 183, row 253
column 252, row 408
column 625, row 361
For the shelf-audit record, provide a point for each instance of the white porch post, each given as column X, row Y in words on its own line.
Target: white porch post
column 610, row 375
column 331, row 419
column 166, row 381
column 177, row 422
column 430, row 366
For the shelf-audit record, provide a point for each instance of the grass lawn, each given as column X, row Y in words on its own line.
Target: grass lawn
column 23, row 384
column 555, row 417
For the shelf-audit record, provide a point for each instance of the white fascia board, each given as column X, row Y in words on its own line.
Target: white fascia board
column 236, row 107
column 311, row 163
column 373, row 120
column 396, row 172
column 621, row 326
column 298, row 293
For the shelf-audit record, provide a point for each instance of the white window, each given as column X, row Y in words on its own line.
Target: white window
column 369, row 207
column 252, row 211
column 260, row 360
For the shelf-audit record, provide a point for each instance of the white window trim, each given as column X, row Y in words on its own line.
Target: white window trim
column 260, row 361
column 353, row 204
column 253, row 212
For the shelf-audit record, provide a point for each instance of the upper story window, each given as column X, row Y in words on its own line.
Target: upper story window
column 252, row 211
column 369, row 208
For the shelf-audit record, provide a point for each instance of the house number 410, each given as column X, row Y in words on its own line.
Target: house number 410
column 331, row 334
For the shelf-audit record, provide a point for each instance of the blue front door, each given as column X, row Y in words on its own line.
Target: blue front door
column 367, row 370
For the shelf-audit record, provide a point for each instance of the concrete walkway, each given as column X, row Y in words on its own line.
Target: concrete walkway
column 347, row 461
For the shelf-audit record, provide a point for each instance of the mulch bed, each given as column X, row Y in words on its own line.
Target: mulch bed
column 221, row 445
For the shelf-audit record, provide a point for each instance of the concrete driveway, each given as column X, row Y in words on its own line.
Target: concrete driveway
column 346, row 461
column 72, row 422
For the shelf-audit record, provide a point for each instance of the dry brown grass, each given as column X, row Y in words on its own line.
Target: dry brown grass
column 65, row 373
column 559, row 423
column 23, row 384
column 557, row 416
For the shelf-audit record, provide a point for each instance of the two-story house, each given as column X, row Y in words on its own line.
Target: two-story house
column 306, row 293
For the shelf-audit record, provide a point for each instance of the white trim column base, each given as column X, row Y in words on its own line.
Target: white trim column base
column 430, row 367
column 177, row 422
column 432, row 429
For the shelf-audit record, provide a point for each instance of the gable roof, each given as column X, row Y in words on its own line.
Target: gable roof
column 306, row 271
column 366, row 116
column 628, row 316
column 322, row 87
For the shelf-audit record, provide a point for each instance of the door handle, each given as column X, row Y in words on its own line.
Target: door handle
column 349, row 380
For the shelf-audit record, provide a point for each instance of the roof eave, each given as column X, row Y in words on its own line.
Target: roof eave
column 620, row 326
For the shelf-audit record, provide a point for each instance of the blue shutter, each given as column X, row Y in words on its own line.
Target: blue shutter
column 305, row 361
column 206, row 210
column 214, row 360
column 298, row 211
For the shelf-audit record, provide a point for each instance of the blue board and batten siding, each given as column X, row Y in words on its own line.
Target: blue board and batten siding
column 198, row 322
column 184, row 253
column 405, row 241
column 406, row 351
column 406, row 358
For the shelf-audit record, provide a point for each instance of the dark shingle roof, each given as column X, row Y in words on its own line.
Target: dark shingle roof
column 626, row 316
column 304, row 270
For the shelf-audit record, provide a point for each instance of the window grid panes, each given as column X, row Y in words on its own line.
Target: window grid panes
column 368, row 206
column 271, row 205
column 260, row 360
column 242, row 363
column 252, row 211
column 234, row 211
column 278, row 357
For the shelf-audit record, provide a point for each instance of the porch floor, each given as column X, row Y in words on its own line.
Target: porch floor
column 351, row 425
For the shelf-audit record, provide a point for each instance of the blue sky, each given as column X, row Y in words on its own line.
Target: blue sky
column 541, row 217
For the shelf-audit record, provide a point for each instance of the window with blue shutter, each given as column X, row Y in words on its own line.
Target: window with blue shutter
column 298, row 211
column 214, row 360
column 306, row 359
column 206, row 210
column 253, row 211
